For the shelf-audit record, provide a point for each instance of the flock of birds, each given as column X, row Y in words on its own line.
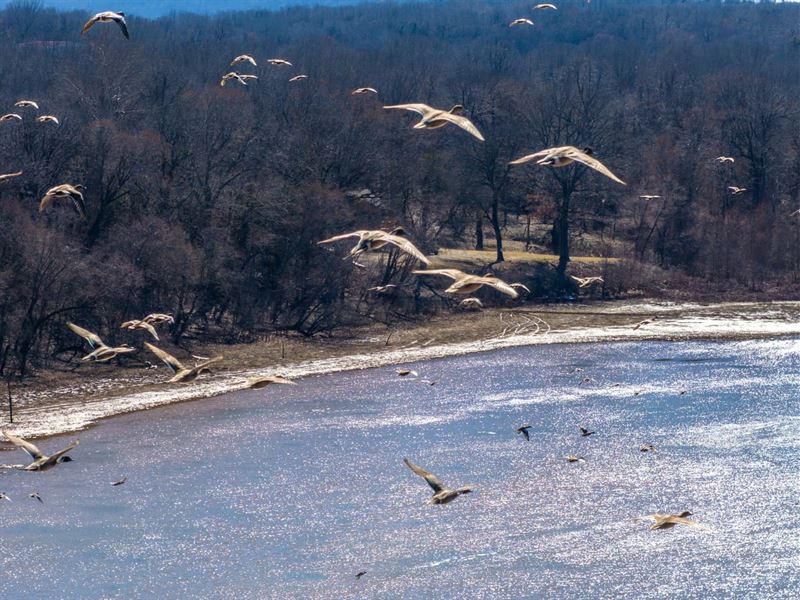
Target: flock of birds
column 368, row 240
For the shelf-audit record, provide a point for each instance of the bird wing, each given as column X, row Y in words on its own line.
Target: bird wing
column 92, row 338
column 61, row 453
column 535, row 156
column 263, row 382
column 205, row 363
column 46, row 199
column 500, row 286
column 89, row 24
column 29, row 448
column 10, row 175
column 77, row 201
column 336, row 238
column 582, row 157
column 684, row 521
column 462, row 122
column 406, row 246
column 453, row 274
column 149, row 328
column 433, row 481
column 173, row 363
column 119, row 20
column 420, row 109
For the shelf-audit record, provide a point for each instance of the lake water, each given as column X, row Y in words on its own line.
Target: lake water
column 290, row 491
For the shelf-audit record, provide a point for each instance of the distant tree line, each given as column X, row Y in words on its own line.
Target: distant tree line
column 207, row 202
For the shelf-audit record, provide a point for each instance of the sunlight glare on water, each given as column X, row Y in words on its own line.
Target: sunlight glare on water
column 291, row 490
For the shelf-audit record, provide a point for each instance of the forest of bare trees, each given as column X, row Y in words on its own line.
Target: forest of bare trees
column 207, row 201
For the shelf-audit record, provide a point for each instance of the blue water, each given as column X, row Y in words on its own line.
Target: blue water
column 289, row 491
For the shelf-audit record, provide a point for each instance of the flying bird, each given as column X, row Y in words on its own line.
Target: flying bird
column 158, row 318
column 566, row 155
column 545, row 6
column 441, row 494
column 382, row 289
column 466, row 284
column 643, row 323
column 433, row 118
column 9, row 176
column 360, row 574
column 41, row 462
column 363, row 90
column 36, row 496
column 240, row 77
column 119, row 482
column 647, row 448
column 108, row 17
column 406, row 373
column 587, row 281
column 4, row 497
column 668, row 521
column 139, row 324
column 47, row 119
column 10, row 116
column 65, row 190
column 262, row 382
column 101, row 352
column 298, row 78
column 735, row 191
column 182, row 374
column 524, row 431
column 369, row 240
column 649, row 197
column 574, row 458
column 516, row 22
column 26, row 103
column 470, row 304
column 279, row 61
column 244, row 58
column 724, row 159
column 585, row 432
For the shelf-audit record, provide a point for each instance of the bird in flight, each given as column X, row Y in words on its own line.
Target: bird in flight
column 574, row 458
column 101, row 352
column 9, row 176
column 4, row 497
column 10, row 116
column 524, row 431
column 735, row 191
column 26, row 103
column 585, row 432
column 119, row 482
column 65, row 190
column 139, row 324
column 360, row 574
column 36, row 496
column 545, row 6
column 406, row 373
column 182, row 374
column 108, row 17
column 441, row 493
column 516, row 22
column 433, row 118
column 244, row 58
column 373, row 239
column 464, row 283
column 47, row 119
column 363, row 90
column 262, row 382
column 298, row 78
column 643, row 323
column 724, row 159
column 279, row 61
column 566, row 155
column 41, row 462
column 587, row 281
column 668, row 521
column 647, row 448
column 240, row 77
column 158, row 318
column 649, row 197
column 470, row 304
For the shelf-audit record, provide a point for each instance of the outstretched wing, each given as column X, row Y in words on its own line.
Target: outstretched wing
column 420, row 109
column 89, row 24
column 92, row 338
column 262, row 382
column 29, row 448
column 433, row 481
column 501, row 286
column 462, row 122
column 123, row 26
column 78, row 203
column 336, row 238
column 10, row 175
column 535, row 156
column 593, row 163
column 406, row 246
column 61, row 453
column 173, row 363
column 454, row 274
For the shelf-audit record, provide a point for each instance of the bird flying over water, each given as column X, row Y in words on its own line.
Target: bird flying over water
column 466, row 284
column 119, row 482
column 516, row 22
column 524, row 431
column 35, row 495
column 433, row 118
column 643, row 323
column 585, row 432
column 360, row 574
column 182, row 374
column 668, row 521
column 26, row 103
column 373, row 239
column 9, row 176
column 562, row 156
column 41, row 462
column 108, row 17
column 406, row 373
column 574, row 458
column 65, row 190
column 4, row 497
column 441, row 494
column 244, row 58
column 262, row 382
column 647, row 448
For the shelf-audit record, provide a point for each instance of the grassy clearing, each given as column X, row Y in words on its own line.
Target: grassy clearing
column 483, row 257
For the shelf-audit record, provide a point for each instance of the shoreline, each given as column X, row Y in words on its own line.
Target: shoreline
column 60, row 403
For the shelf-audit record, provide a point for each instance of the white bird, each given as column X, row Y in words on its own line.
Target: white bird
column 369, row 240
column 735, row 191
column 516, row 22
column 10, row 116
column 47, row 119
column 724, row 159
column 565, row 155
column 298, row 78
column 649, row 197
column 9, row 176
column 279, row 61
column 244, row 58
column 541, row 6
column 667, row 521
column 587, row 281
column 28, row 103
column 65, row 190
column 363, row 90
column 464, row 283
column 433, row 118
column 41, row 462
column 241, row 78
column 182, row 373
column 108, row 17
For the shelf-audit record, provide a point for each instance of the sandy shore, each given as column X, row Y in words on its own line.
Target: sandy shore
column 58, row 402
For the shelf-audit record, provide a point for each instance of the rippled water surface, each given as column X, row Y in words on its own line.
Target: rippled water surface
column 291, row 490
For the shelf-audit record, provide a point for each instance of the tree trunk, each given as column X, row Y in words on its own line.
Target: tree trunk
column 479, row 232
column 561, row 228
column 498, row 234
